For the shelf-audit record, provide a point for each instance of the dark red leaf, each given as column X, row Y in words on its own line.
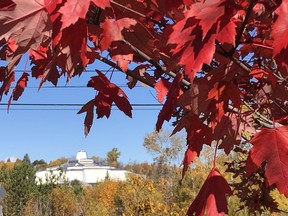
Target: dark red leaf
column 7, row 4
column 170, row 104
column 108, row 93
column 198, row 134
column 7, row 84
column 103, row 103
column 89, row 109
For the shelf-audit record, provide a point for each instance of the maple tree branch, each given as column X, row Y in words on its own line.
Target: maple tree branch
column 155, row 64
column 232, row 58
column 128, row 72
column 266, row 122
column 269, row 123
column 243, row 26
column 137, row 13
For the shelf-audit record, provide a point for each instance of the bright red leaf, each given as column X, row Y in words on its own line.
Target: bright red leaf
column 112, row 31
column 211, row 199
column 102, row 3
column 162, row 87
column 72, row 11
column 19, row 89
column 280, row 28
column 195, row 35
column 271, row 145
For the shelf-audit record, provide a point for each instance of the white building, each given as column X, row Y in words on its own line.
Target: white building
column 83, row 169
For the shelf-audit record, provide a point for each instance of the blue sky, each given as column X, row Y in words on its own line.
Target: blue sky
column 50, row 134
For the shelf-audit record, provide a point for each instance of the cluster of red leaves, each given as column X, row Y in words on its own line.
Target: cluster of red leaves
column 228, row 59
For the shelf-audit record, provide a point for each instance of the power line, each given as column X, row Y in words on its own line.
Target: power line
column 74, row 87
column 73, row 104
column 71, row 109
column 85, row 71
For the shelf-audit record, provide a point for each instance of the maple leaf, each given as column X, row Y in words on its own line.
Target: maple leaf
column 72, row 11
column 280, row 28
column 88, row 122
column 28, row 24
column 73, row 47
column 121, row 53
column 162, row 87
column 189, row 157
column 102, row 3
column 8, row 80
column 271, row 145
column 44, row 65
column 170, row 104
column 222, row 94
column 198, row 134
column 140, row 71
column 211, row 198
column 112, row 31
column 21, row 85
column 195, row 35
column 19, row 89
column 108, row 93
column 230, row 128
column 8, row 4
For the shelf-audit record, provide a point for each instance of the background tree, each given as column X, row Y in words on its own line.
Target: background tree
column 20, row 187
column 112, row 157
column 166, row 149
column 216, row 76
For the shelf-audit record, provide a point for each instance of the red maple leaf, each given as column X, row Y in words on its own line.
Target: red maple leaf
column 222, row 94
column 271, row 145
column 162, row 87
column 28, row 24
column 89, row 109
column 211, row 198
column 102, row 3
column 170, row 104
column 195, row 35
column 72, row 11
column 8, row 4
column 280, row 28
column 19, row 88
column 198, row 134
column 108, row 93
column 8, row 80
column 112, row 31
column 229, row 130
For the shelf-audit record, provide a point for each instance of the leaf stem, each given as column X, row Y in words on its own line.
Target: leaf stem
column 215, row 155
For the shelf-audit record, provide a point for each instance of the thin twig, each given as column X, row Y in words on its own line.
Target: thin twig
column 137, row 13
column 243, row 26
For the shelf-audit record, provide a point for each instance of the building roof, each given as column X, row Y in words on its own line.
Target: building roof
column 83, row 169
